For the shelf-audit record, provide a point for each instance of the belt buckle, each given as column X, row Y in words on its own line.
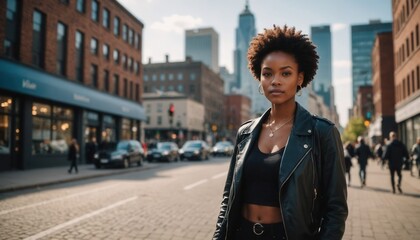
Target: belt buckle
column 258, row 229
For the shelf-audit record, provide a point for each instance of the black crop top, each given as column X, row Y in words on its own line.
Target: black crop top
column 261, row 177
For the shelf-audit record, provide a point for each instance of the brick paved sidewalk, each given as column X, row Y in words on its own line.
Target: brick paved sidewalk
column 376, row 213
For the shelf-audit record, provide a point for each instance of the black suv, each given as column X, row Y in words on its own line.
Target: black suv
column 123, row 154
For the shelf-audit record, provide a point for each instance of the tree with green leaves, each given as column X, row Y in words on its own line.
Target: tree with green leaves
column 355, row 127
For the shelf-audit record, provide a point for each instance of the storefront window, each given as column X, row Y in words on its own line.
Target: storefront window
column 108, row 132
column 126, row 129
column 4, row 134
column 52, row 128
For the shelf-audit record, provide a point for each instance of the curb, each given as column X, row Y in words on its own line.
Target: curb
column 76, row 178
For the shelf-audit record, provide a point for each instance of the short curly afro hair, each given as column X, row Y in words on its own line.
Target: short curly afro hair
column 288, row 40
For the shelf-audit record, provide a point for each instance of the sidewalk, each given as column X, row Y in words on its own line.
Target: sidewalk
column 376, row 213
column 32, row 178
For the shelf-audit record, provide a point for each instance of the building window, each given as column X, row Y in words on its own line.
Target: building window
column 170, row 88
column 417, row 35
column 180, row 76
column 170, row 76
column 159, row 107
column 154, row 77
column 51, row 128
column 6, row 117
column 79, row 55
column 130, row 36
column 124, row 32
column 146, row 78
column 61, row 48
column 136, row 68
column 94, row 75
column 105, row 18
column 159, row 120
column 130, row 64
column 106, row 80
column 105, row 51
column 180, row 88
column 116, row 26
column 116, row 56
column 116, row 84
column 162, row 77
column 125, row 87
column 80, row 6
column 11, row 40
column 38, row 39
column 192, row 76
column 192, row 88
column 136, row 41
column 124, row 61
column 131, row 90
column 94, row 46
column 65, row 2
column 95, row 10
column 137, row 92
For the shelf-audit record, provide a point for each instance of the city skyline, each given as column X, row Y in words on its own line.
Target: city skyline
column 166, row 21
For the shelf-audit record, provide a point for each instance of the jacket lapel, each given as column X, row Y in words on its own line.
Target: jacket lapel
column 298, row 145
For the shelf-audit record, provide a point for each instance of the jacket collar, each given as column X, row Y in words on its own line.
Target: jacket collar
column 301, row 124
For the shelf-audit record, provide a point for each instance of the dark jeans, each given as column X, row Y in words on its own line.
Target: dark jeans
column 362, row 173
column 247, row 230
column 73, row 165
column 398, row 171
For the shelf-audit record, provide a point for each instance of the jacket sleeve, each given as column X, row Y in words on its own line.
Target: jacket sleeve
column 220, row 232
column 334, row 189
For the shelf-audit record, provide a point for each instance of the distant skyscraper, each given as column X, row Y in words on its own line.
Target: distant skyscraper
column 203, row 45
column 322, row 84
column 362, row 39
column 245, row 83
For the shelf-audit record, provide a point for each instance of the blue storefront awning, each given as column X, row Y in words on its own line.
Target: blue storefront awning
column 18, row 78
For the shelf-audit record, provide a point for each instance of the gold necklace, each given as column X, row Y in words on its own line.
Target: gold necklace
column 271, row 134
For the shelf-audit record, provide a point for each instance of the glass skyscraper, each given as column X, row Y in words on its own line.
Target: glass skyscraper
column 322, row 84
column 245, row 83
column 362, row 39
column 203, row 45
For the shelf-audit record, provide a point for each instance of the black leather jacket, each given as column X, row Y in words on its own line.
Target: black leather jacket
column 313, row 190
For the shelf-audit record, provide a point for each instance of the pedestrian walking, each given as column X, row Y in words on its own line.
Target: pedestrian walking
column 415, row 154
column 395, row 153
column 363, row 153
column 348, row 155
column 286, row 177
column 73, row 155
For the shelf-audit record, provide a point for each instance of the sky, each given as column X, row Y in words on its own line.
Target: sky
column 165, row 22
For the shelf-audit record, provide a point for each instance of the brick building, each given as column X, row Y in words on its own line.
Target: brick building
column 68, row 69
column 383, row 119
column 238, row 111
column 195, row 80
column 406, row 34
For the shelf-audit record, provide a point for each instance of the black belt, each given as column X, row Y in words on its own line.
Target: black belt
column 259, row 229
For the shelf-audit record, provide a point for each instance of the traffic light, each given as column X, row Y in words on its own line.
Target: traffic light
column 171, row 110
column 366, row 123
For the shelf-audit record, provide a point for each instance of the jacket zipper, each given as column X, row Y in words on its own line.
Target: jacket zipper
column 315, row 191
column 282, row 217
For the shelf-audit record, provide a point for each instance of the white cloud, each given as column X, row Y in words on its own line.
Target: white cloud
column 342, row 64
column 338, row 27
column 176, row 23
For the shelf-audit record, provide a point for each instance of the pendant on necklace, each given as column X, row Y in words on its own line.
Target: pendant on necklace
column 271, row 134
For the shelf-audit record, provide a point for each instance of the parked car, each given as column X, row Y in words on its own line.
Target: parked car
column 195, row 149
column 164, row 151
column 123, row 154
column 223, row 148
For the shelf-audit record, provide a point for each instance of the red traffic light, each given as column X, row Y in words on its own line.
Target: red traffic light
column 171, row 110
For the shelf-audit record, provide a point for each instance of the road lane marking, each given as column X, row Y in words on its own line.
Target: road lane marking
column 54, row 200
column 219, row 175
column 81, row 218
column 195, row 184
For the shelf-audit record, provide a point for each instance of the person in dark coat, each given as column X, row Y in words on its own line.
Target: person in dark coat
column 73, row 155
column 348, row 155
column 415, row 154
column 363, row 153
column 395, row 153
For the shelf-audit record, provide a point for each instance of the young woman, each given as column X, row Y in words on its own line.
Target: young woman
column 286, row 177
